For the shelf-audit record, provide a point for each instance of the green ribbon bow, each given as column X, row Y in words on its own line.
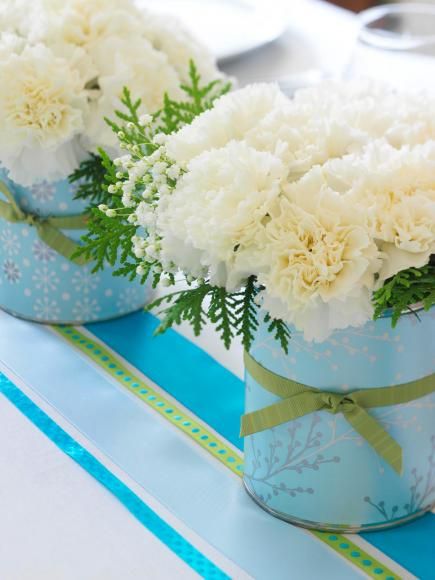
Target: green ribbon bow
column 48, row 228
column 299, row 400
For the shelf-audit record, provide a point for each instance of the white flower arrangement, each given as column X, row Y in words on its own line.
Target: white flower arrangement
column 319, row 209
column 63, row 66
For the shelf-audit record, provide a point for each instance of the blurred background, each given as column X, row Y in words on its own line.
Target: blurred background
column 298, row 43
column 358, row 5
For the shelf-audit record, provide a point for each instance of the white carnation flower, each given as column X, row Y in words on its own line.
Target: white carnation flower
column 322, row 258
column 396, row 187
column 232, row 116
column 375, row 109
column 86, row 23
column 42, row 106
column 11, row 43
column 23, row 18
column 303, row 138
column 219, row 206
column 167, row 34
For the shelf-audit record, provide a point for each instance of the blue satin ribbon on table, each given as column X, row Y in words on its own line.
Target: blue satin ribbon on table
column 149, row 519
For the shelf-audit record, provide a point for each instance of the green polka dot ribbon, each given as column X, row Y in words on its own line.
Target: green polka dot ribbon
column 355, row 554
column 48, row 228
column 298, row 400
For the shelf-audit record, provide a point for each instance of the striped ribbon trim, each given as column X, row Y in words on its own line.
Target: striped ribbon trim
column 132, row 502
column 212, row 444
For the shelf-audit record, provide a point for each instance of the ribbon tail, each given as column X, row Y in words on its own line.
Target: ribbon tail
column 4, row 189
column 279, row 413
column 72, row 222
column 59, row 242
column 372, row 431
column 9, row 212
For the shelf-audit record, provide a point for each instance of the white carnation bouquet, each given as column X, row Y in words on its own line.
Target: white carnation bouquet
column 63, row 65
column 316, row 212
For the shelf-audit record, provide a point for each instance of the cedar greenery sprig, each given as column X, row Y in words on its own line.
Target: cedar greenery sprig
column 108, row 241
column 402, row 291
column 91, row 175
column 234, row 314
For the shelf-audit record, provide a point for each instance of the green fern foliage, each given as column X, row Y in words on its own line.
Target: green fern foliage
column 232, row 314
column 402, row 291
column 89, row 178
column 279, row 330
column 108, row 240
column 94, row 174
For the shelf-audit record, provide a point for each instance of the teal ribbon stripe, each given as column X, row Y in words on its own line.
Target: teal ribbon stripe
column 132, row 502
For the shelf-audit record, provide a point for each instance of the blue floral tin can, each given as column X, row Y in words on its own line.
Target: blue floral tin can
column 317, row 471
column 37, row 283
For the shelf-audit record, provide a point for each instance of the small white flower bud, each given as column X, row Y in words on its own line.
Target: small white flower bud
column 130, row 125
column 111, row 213
column 127, row 187
column 139, row 252
column 165, row 282
column 111, row 189
column 160, row 139
column 151, row 250
column 140, row 270
column 155, row 156
column 121, row 134
column 103, row 207
column 174, row 172
column 145, row 120
column 159, row 167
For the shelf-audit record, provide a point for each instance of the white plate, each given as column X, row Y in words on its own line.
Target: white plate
column 228, row 27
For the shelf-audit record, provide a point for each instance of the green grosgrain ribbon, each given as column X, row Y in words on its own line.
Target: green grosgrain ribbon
column 299, row 400
column 48, row 228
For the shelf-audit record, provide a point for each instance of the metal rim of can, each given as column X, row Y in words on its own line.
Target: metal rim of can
column 412, row 309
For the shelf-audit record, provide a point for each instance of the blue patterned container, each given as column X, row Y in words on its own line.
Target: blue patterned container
column 317, row 471
column 39, row 284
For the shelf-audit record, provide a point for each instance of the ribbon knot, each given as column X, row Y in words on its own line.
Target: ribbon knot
column 31, row 219
column 298, row 400
column 336, row 403
column 48, row 228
